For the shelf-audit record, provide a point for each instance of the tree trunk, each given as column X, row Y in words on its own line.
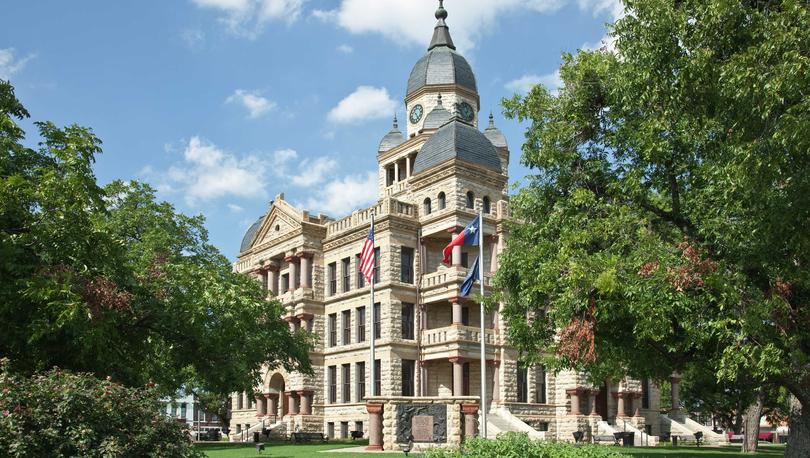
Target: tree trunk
column 751, row 424
column 799, row 436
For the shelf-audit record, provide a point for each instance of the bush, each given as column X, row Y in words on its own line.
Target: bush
column 64, row 414
column 518, row 445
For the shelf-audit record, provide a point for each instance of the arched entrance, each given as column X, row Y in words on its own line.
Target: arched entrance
column 277, row 402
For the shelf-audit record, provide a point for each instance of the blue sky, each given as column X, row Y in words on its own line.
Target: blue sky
column 222, row 104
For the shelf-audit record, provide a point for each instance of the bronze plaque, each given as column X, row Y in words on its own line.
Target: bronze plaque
column 422, row 428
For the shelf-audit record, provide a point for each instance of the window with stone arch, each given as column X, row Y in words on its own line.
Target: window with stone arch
column 427, row 206
column 442, row 201
column 470, row 199
column 486, row 207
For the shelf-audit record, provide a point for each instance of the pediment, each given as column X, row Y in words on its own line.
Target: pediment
column 281, row 219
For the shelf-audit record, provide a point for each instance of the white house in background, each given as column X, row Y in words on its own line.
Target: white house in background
column 186, row 409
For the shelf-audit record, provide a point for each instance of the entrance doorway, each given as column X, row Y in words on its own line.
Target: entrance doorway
column 602, row 401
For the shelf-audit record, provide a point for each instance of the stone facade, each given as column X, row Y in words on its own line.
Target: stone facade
column 428, row 343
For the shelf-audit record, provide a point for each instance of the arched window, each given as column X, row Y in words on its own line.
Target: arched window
column 470, row 199
column 427, row 206
column 486, row 205
column 442, row 201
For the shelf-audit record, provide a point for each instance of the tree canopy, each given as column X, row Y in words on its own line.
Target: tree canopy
column 108, row 280
column 666, row 223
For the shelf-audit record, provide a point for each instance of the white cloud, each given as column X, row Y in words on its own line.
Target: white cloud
column 248, row 17
column 343, row 195
column 412, row 22
column 9, row 65
column 366, row 102
column 235, row 208
column 252, row 101
column 525, row 83
column 312, row 172
column 345, row 49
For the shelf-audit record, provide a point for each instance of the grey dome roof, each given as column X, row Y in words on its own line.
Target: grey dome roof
column 457, row 139
column 392, row 139
column 494, row 134
column 437, row 117
column 247, row 240
column 442, row 64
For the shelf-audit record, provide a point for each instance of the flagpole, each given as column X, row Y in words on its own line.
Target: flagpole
column 484, row 406
column 371, row 309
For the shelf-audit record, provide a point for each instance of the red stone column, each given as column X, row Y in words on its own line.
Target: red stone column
column 574, row 393
column 496, row 383
column 456, row 258
column 458, row 376
column 261, row 407
column 470, row 412
column 291, row 321
column 637, row 404
column 306, row 320
column 306, row 401
column 293, row 263
column 306, row 269
column 675, row 392
column 272, row 278
column 592, row 401
column 620, row 404
column 293, row 402
column 375, row 426
column 272, row 406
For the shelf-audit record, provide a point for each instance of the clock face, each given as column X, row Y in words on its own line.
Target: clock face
column 416, row 114
column 466, row 111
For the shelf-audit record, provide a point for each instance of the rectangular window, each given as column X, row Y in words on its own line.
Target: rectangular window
column 344, row 429
column 346, row 375
column 361, row 280
column 377, row 377
column 522, row 384
column 346, row 271
column 358, row 426
column 346, row 316
column 360, row 316
column 330, row 430
column 360, row 380
column 406, row 265
column 376, row 265
column 407, row 321
column 332, row 279
column 645, row 393
column 540, row 385
column 183, row 410
column 408, row 377
column 377, row 320
column 332, row 380
column 333, row 329
column 285, row 283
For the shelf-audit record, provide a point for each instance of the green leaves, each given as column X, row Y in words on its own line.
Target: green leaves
column 671, row 194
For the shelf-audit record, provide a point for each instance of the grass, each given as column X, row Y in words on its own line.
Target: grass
column 287, row 450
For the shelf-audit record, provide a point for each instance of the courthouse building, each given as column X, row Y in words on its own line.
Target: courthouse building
column 436, row 172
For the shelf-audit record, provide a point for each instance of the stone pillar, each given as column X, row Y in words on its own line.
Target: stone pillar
column 375, row 426
column 305, row 320
column 458, row 376
column 470, row 412
column 306, row 270
column 261, row 407
column 592, row 401
column 675, row 392
column 290, row 321
column 306, row 401
column 493, row 257
column 456, row 304
column 496, row 383
column 272, row 279
column 456, row 256
column 637, row 404
column 272, row 407
column 293, row 263
column 407, row 166
column 620, row 404
column 574, row 393
column 396, row 171
column 293, row 402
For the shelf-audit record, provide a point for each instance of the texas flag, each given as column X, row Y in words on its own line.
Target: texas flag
column 469, row 237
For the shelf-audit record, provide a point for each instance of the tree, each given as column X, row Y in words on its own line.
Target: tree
column 667, row 219
column 58, row 413
column 110, row 281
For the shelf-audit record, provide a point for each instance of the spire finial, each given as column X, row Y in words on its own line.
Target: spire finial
column 441, row 13
column 491, row 119
column 396, row 125
column 440, row 99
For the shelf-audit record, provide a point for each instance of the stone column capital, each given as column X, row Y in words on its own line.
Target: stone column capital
column 304, row 392
column 270, row 266
column 457, row 359
column 271, row 395
column 496, row 363
column 576, row 391
column 675, row 379
column 305, row 316
column 622, row 394
column 455, row 229
column 374, row 408
column 290, row 319
column 305, row 254
column 291, row 258
column 469, row 409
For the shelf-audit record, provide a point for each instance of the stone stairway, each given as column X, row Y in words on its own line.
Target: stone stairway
column 688, row 427
column 501, row 420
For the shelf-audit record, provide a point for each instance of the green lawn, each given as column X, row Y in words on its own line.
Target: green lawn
column 287, row 450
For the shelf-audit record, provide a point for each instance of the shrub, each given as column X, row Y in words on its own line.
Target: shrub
column 518, row 445
column 59, row 413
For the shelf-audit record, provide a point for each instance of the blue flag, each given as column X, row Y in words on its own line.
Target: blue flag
column 472, row 275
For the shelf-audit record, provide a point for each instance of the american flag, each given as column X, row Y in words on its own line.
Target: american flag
column 367, row 256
